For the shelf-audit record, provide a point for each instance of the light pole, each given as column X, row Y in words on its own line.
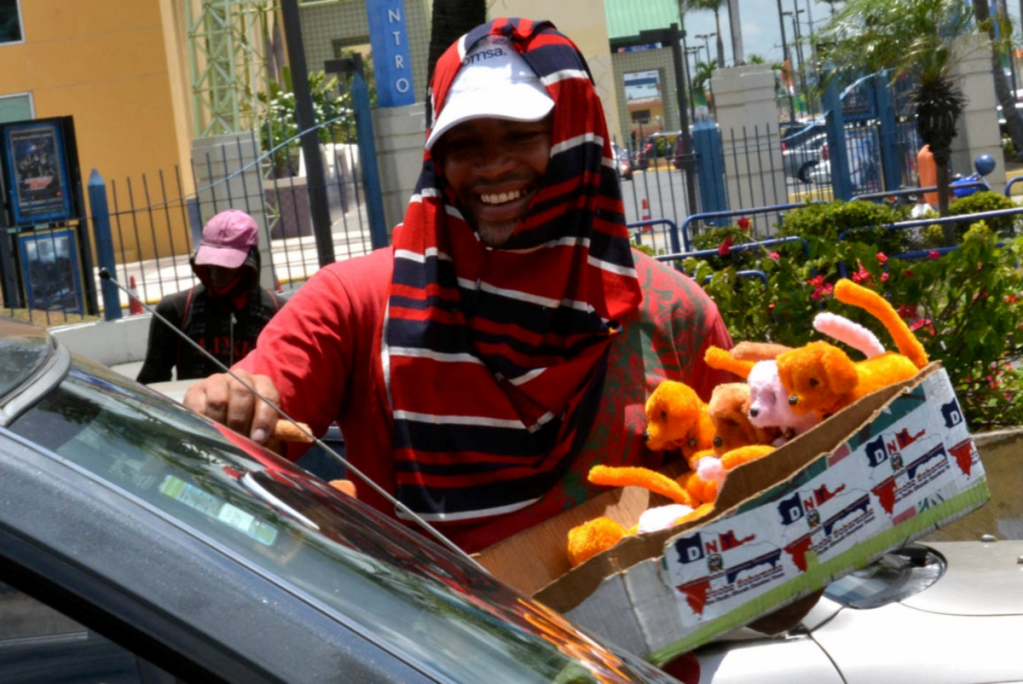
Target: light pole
column 706, row 43
column 785, row 58
column 799, row 47
column 689, row 81
column 673, row 36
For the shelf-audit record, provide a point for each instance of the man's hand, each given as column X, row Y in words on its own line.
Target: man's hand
column 227, row 401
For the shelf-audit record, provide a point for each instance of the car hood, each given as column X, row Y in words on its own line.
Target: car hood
column 981, row 579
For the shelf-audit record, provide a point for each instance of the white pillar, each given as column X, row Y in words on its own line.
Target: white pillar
column 744, row 100
column 400, row 136
column 977, row 131
column 214, row 159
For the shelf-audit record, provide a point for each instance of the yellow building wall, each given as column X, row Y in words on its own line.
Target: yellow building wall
column 585, row 22
column 105, row 63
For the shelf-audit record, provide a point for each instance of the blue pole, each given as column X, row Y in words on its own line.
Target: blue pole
column 104, row 244
column 368, row 160
column 889, row 139
column 710, row 169
column 838, row 156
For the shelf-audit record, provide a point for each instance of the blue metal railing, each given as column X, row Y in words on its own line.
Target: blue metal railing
column 780, row 208
column 672, row 231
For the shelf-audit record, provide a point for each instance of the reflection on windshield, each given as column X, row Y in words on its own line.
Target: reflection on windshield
column 448, row 616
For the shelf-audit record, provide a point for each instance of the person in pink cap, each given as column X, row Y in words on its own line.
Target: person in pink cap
column 224, row 314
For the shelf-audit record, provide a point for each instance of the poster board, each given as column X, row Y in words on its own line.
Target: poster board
column 36, row 172
column 51, row 270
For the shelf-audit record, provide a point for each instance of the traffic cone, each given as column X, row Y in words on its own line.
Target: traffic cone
column 644, row 215
column 134, row 304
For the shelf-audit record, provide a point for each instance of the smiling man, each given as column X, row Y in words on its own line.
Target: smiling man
column 509, row 338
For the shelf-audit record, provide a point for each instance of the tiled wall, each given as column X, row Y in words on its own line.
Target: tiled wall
column 646, row 60
column 323, row 23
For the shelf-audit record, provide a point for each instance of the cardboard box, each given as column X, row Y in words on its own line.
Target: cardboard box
column 879, row 474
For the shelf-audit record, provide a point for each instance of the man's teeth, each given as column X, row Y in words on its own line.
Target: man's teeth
column 501, row 198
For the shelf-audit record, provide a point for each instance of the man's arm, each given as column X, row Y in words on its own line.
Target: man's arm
column 162, row 347
column 301, row 363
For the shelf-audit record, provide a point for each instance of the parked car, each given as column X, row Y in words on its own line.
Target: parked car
column 656, row 146
column 799, row 159
column 622, row 162
column 141, row 542
column 945, row 612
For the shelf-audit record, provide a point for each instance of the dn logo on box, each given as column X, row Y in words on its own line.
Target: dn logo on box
column 952, row 414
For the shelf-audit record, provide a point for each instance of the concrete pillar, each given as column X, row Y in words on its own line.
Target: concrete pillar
column 214, row 159
column 744, row 99
column 400, row 134
column 978, row 126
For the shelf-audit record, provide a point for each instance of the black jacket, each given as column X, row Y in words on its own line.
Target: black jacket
column 217, row 324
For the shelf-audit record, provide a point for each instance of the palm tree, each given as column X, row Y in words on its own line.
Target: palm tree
column 701, row 77
column 686, row 6
column 916, row 38
column 1003, row 91
column 450, row 21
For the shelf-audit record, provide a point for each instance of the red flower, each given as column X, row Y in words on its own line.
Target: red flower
column 922, row 323
column 933, row 254
column 775, row 256
column 1011, row 298
column 770, row 307
column 907, row 312
column 862, row 275
column 816, row 281
column 822, row 291
column 907, row 273
column 881, row 258
column 884, row 276
column 726, row 247
column 743, row 223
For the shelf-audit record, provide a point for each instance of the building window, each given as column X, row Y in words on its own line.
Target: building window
column 16, row 108
column 10, row 22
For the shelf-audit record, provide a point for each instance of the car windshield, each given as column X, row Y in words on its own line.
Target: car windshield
column 894, row 577
column 23, row 350
column 414, row 597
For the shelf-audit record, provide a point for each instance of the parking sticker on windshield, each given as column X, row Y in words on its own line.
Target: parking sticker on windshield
column 204, row 502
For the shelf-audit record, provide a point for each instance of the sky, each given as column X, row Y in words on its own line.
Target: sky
column 761, row 33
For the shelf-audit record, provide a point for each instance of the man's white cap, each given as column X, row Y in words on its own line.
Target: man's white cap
column 494, row 82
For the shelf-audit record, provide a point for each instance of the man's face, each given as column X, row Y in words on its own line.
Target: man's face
column 494, row 167
column 222, row 278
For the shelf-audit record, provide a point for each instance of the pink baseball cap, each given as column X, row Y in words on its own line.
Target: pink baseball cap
column 227, row 239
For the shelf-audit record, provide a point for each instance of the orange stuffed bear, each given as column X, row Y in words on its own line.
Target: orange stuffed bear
column 821, row 378
column 676, row 418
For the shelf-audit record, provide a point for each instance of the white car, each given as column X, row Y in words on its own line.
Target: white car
column 940, row 613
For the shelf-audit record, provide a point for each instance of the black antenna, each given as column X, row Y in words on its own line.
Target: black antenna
column 104, row 274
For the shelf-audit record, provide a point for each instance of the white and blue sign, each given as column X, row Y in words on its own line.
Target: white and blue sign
column 392, row 68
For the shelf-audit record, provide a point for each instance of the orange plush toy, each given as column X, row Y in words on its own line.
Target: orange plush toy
column 729, row 412
column 676, row 418
column 600, row 534
column 821, row 379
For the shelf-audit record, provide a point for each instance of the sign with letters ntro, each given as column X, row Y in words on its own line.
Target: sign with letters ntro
column 388, row 37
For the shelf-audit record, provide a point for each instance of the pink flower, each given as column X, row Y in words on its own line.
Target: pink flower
column 881, row 258
column 726, row 247
column 884, row 276
column 775, row 256
column 743, row 223
column 770, row 307
column 933, row 254
column 816, row 281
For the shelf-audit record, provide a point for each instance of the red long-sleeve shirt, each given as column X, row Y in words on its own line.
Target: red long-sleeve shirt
column 323, row 353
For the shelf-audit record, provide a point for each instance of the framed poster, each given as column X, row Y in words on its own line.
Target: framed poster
column 36, row 164
column 50, row 270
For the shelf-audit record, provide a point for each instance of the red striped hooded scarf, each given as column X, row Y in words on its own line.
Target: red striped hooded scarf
column 494, row 358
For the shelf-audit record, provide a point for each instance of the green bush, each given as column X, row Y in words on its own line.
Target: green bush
column 966, row 307
column 1005, row 226
column 821, row 224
